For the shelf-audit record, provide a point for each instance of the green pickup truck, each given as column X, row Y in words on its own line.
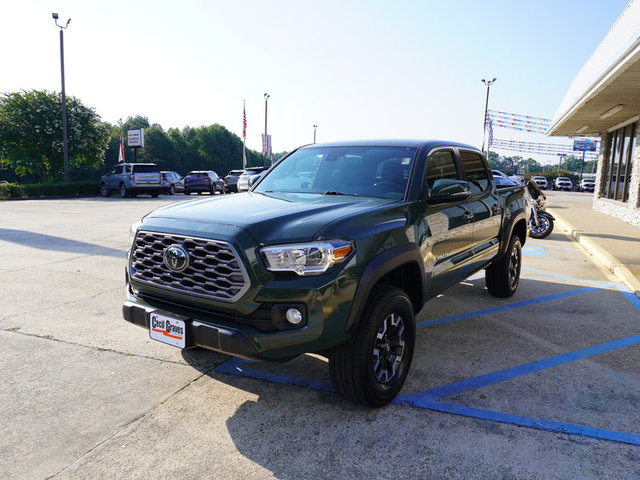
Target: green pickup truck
column 334, row 251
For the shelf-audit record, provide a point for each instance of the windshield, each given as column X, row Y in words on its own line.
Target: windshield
column 368, row 171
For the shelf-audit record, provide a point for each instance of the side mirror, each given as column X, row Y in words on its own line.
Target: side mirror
column 447, row 191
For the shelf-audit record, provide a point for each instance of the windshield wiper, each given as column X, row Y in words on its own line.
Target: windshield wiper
column 333, row 192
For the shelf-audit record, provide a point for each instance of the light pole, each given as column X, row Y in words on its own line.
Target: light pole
column 266, row 138
column 488, row 83
column 561, row 155
column 65, row 147
column 314, row 133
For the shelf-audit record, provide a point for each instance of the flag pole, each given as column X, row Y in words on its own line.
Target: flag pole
column 244, row 136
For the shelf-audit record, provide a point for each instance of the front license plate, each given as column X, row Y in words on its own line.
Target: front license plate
column 168, row 330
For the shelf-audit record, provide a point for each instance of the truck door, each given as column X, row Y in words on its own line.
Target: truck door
column 485, row 206
column 447, row 251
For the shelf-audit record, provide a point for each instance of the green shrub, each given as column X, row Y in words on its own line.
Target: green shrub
column 36, row 190
column 10, row 190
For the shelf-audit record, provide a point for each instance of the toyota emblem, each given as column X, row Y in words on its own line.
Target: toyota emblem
column 176, row 258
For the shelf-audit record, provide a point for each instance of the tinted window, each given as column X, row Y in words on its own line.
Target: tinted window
column 117, row 169
column 146, row 168
column 349, row 170
column 442, row 176
column 474, row 171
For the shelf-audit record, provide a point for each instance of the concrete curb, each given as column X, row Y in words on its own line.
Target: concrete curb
column 600, row 256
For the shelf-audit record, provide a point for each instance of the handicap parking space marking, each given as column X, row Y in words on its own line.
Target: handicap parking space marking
column 533, row 251
column 432, row 399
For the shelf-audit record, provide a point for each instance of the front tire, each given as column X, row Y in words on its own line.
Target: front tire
column 544, row 227
column 502, row 277
column 371, row 367
column 104, row 191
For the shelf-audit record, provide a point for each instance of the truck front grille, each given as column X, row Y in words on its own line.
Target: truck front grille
column 214, row 270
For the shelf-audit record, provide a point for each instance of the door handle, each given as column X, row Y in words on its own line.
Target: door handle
column 495, row 209
column 467, row 216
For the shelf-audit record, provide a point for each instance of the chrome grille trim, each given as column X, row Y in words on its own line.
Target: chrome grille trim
column 215, row 270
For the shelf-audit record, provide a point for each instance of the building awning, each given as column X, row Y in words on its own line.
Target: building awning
column 606, row 92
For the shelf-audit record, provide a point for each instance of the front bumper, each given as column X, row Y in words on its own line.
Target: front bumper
column 198, row 333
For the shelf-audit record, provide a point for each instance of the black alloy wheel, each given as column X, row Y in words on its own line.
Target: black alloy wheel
column 503, row 275
column 372, row 366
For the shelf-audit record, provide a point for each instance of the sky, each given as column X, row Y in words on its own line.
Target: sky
column 356, row 69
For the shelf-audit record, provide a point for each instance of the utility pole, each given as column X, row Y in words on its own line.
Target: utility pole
column 266, row 138
column 65, row 145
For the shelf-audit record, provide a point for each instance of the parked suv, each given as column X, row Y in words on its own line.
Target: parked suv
column 131, row 179
column 541, row 182
column 249, row 177
column 587, row 185
column 231, row 181
column 563, row 183
column 203, row 181
column 171, row 182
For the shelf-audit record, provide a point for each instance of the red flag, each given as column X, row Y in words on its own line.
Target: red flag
column 121, row 153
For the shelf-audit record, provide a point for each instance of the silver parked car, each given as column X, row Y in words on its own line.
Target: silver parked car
column 249, row 177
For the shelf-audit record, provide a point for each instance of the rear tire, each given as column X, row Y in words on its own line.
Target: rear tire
column 371, row 367
column 155, row 194
column 172, row 190
column 502, row 277
column 124, row 193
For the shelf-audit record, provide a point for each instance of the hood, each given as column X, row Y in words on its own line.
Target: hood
column 274, row 217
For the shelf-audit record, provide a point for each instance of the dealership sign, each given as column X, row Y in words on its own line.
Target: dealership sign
column 584, row 145
column 135, row 138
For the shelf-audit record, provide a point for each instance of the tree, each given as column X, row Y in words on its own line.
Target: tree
column 31, row 134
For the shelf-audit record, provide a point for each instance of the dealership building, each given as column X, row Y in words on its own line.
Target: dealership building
column 604, row 101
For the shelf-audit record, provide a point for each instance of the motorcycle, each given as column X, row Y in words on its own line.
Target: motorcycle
column 540, row 221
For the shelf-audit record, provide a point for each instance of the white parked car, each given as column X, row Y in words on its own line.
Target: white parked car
column 540, row 181
column 563, row 183
column 587, row 185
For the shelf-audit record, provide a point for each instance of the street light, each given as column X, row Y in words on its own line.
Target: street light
column 65, row 147
column 488, row 83
column 266, row 138
column 314, row 133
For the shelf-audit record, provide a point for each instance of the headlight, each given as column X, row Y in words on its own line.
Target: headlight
column 306, row 258
column 133, row 229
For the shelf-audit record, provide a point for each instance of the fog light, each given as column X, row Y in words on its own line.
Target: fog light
column 294, row 316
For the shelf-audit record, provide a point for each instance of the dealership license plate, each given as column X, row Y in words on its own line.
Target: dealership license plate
column 168, row 330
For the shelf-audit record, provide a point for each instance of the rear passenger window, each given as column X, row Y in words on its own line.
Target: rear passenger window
column 442, row 176
column 474, row 171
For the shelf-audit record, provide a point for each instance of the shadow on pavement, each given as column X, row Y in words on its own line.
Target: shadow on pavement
column 60, row 244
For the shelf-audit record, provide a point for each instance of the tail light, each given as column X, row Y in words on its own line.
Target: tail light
column 132, row 177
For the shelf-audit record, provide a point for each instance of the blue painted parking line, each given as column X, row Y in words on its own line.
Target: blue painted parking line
column 238, row 367
column 432, row 399
column 522, row 421
column 526, row 369
column 502, row 308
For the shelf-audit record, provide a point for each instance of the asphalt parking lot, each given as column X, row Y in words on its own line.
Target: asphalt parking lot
column 542, row 385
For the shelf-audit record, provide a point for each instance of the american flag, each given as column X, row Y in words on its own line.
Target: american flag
column 490, row 133
column 121, row 150
column 244, row 122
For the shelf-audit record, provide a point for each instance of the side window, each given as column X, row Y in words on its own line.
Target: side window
column 442, row 176
column 127, row 168
column 117, row 170
column 474, row 171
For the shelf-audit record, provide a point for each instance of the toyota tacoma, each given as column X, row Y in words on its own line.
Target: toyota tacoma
column 333, row 251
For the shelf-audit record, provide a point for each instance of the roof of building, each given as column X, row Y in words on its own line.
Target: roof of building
column 606, row 91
